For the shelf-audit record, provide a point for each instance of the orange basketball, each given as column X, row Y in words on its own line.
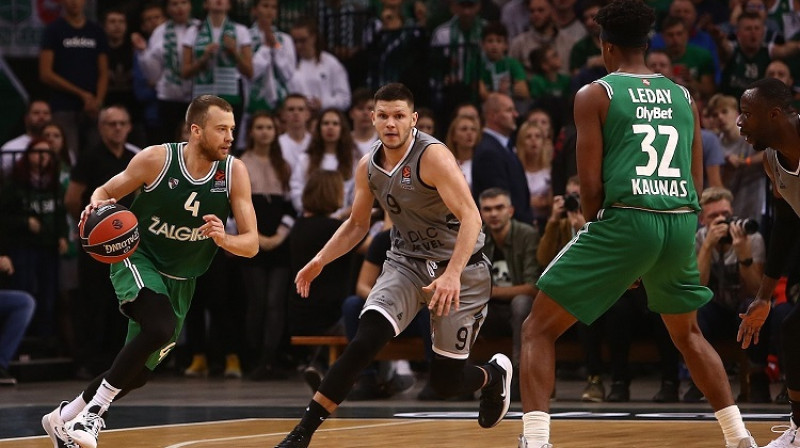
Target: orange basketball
column 109, row 233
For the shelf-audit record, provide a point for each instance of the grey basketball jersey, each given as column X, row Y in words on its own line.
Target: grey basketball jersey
column 788, row 182
column 423, row 225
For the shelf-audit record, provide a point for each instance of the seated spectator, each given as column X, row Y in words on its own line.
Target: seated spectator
column 586, row 52
column 686, row 11
column 295, row 116
column 16, row 311
column 691, row 64
column 548, row 86
column 364, row 133
column 746, row 59
column 426, row 121
column 535, row 152
column 319, row 313
column 331, row 148
column 730, row 258
column 120, row 71
column 462, row 137
column 514, row 15
column 544, row 29
column 458, row 41
column 266, row 276
column 713, row 158
column 743, row 172
column 494, row 163
column 319, row 76
column 37, row 115
column 511, row 246
column 499, row 72
column 33, row 212
column 464, row 110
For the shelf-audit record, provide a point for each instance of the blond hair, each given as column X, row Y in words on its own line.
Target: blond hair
column 714, row 194
column 531, row 161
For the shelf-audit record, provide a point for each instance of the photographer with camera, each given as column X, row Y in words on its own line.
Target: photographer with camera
column 730, row 258
column 564, row 222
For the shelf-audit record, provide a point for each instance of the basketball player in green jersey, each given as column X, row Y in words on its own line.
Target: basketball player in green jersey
column 639, row 159
column 187, row 192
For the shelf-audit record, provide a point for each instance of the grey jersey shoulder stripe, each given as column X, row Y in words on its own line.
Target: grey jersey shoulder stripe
column 419, row 166
column 607, row 86
column 164, row 169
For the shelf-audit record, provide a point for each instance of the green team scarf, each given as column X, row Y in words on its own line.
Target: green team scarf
column 221, row 78
column 172, row 60
column 266, row 92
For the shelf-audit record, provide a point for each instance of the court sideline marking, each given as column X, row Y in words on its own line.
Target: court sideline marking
column 230, row 439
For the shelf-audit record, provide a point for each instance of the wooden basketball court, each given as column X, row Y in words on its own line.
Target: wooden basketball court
column 407, row 433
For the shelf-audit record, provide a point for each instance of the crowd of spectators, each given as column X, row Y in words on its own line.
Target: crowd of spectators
column 494, row 79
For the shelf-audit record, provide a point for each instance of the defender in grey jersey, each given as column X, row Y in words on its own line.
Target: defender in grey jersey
column 769, row 123
column 435, row 261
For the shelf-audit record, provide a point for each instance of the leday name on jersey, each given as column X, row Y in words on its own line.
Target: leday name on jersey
column 647, row 185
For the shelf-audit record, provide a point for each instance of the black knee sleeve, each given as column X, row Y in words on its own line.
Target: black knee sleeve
column 790, row 333
column 374, row 332
column 155, row 315
column 153, row 312
column 454, row 377
column 446, row 375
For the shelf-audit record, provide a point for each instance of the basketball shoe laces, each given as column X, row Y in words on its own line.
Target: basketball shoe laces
column 93, row 424
column 788, row 433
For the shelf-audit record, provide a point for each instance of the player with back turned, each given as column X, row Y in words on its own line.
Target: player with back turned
column 639, row 159
column 188, row 191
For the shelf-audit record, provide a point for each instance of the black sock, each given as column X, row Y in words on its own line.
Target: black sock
column 493, row 375
column 795, row 412
column 313, row 417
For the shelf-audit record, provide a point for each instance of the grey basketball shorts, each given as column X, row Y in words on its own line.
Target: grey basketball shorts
column 398, row 296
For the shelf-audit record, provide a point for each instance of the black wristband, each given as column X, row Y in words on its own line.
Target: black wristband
column 746, row 262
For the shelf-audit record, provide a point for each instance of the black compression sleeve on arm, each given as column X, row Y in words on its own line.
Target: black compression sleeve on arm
column 783, row 239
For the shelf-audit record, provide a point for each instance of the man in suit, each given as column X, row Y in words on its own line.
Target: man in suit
column 494, row 163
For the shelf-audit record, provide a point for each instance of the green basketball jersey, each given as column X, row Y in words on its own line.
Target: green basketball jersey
column 171, row 210
column 647, row 143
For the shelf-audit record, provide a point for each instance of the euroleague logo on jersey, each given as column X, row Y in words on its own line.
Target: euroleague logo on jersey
column 220, row 182
column 405, row 178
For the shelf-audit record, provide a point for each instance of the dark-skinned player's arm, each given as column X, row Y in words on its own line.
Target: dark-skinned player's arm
column 591, row 106
column 439, row 169
column 143, row 169
column 784, row 235
column 245, row 243
column 350, row 233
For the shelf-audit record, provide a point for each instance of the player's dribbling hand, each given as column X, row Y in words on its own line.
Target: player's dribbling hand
column 445, row 294
column 752, row 320
column 214, row 228
column 94, row 204
column 306, row 275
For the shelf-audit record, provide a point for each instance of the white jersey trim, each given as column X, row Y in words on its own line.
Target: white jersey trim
column 185, row 171
column 607, row 86
column 164, row 169
column 405, row 156
column 228, row 173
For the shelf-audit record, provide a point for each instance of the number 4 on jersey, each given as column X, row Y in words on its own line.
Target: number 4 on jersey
column 194, row 206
